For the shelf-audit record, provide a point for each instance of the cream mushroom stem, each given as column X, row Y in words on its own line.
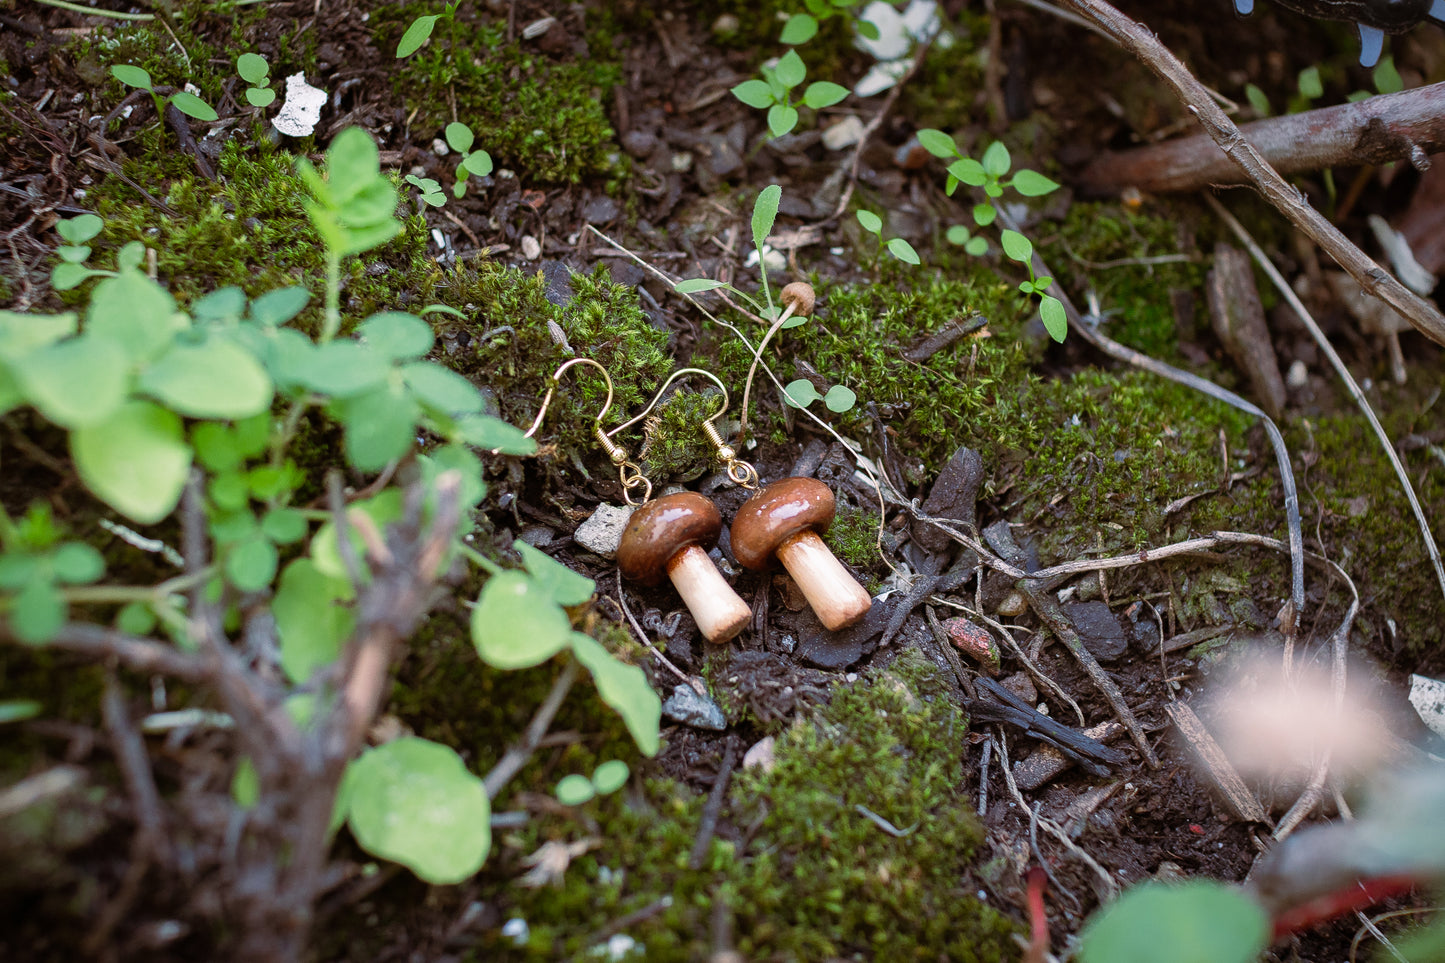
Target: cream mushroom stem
column 716, row 608
column 836, row 597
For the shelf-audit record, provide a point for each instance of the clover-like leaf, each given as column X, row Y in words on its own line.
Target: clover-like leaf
column 311, row 621
column 252, row 68
column 344, row 368
column 459, row 137
column 413, row 801
column 279, row 306
column 76, row 382
column 516, row 624
column 478, row 162
column 397, row 335
column 839, row 398
column 77, row 563
column 442, row 388
column 623, row 687
column 251, row 563
column 564, row 585
column 610, row 776
column 1201, row 920
column 574, row 790
column 136, row 460
column 37, row 612
column 800, row 393
column 79, row 229
column 221, row 305
column 781, row 119
column 135, row 312
column 260, row 96
column 214, row 379
column 495, row 435
column 379, row 426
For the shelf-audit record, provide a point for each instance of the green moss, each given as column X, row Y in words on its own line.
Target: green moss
column 539, row 116
column 853, row 537
column 675, row 447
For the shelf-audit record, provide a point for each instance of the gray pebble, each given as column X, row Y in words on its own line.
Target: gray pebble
column 691, row 709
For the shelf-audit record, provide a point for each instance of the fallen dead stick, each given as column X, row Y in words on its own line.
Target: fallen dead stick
column 1287, row 199
column 1389, row 127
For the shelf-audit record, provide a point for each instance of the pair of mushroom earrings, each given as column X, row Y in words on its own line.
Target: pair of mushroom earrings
column 670, row 536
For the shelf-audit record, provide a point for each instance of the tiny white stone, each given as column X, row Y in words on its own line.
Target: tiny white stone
column 531, row 247
column 301, row 112
column 620, row 945
column 438, row 238
column 1298, row 376
column 439, row 147
column 536, row 28
column 1428, row 697
column 602, row 532
column 845, row 133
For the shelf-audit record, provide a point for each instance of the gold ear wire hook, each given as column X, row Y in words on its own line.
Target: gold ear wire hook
column 627, row 472
column 740, row 472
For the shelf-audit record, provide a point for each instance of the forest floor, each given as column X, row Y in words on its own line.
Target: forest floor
column 622, row 163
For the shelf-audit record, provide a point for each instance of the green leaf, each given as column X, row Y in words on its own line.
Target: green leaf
column 345, row 368
column 285, row 526
column 193, row 106
column 1387, row 77
column 839, row 398
column 22, row 333
column 868, row 30
column 1016, row 246
column 824, row 93
column 136, row 312
column 214, row 379
column 1257, row 99
column 251, row 564
column 976, row 246
column 574, row 790
column 245, row 784
column 253, row 434
column 871, row 222
column 230, row 493
column 442, row 388
column 800, row 28
column 459, row 137
column 564, row 585
column 215, row 447
column 458, row 458
column 17, row 569
column 495, row 435
column 781, row 119
column 969, row 171
column 260, row 96
column 397, row 335
column 623, row 687
column 136, row 618
column 694, row 285
column 957, row 234
column 268, row 481
column 754, row 93
column 765, row 212
column 1033, row 184
column 417, row 34
column 413, row 801
column 516, row 624
column 81, row 381
column 37, row 612
column 790, row 70
column 380, row 426
column 478, row 162
column 1309, row 83
column 252, row 68
column 902, row 250
column 136, row 460
column 1200, row 921
column 66, row 276
column 610, row 776
column 311, row 623
column 129, row 257
column 996, row 160
column 73, row 254
column 79, row 229
column 18, row 710
column 1056, row 322
column 131, row 76
column 984, row 214
column 800, row 393
column 77, row 563
column 937, row 143
column 279, row 306
column 221, row 305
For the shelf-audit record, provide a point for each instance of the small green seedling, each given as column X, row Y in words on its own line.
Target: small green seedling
column 72, row 270
column 185, row 101
column 574, row 790
column 254, row 70
column 990, row 176
column 802, row 27
column 430, row 187
column 460, row 139
column 898, row 247
column 801, row 393
column 774, row 93
column 420, row 31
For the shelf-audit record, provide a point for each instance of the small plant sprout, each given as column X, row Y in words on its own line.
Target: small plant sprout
column 185, row 101
column 1019, row 248
column 72, row 270
column 802, row 27
column 460, row 139
column 420, row 31
column 898, row 247
column 802, row 392
column 774, row 93
column 254, row 70
column 430, row 187
column 610, row 776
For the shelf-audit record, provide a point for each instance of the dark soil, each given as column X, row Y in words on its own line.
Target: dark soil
column 690, row 150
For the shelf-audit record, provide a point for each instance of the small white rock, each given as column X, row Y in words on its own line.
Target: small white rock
column 301, row 112
column 517, row 930
column 536, row 28
column 1428, row 697
column 602, row 533
column 761, row 755
column 1298, row 375
column 439, row 147
column 845, row 133
column 531, row 247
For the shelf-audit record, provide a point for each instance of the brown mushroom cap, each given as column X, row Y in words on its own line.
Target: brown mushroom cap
column 663, row 527
column 777, row 511
column 799, row 296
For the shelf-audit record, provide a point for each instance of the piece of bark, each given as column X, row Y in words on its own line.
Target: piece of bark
column 1388, row 127
column 1046, row 762
column 1237, row 316
column 954, row 496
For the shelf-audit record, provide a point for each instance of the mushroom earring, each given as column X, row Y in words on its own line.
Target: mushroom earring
column 671, row 536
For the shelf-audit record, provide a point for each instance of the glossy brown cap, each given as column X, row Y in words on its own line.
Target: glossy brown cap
column 663, row 527
column 780, row 509
column 800, row 297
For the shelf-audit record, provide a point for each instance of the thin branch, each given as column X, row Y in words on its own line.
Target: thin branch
column 1138, row 40
column 517, row 756
column 145, row 656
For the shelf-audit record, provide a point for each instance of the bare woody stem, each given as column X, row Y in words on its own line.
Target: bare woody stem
column 1139, row 41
